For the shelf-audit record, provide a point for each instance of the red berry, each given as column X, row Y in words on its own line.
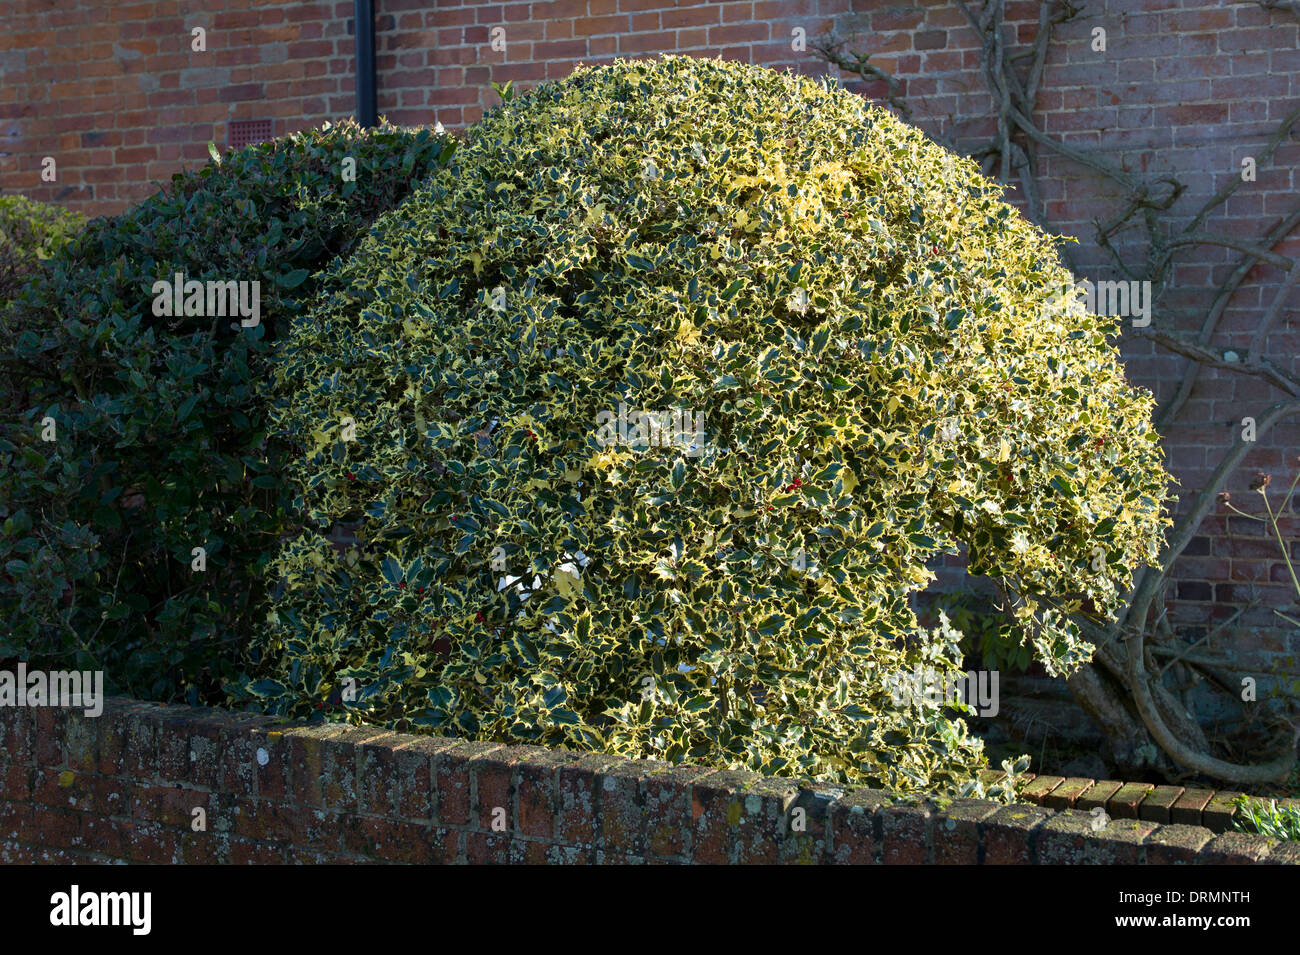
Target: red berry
column 351, row 476
column 402, row 585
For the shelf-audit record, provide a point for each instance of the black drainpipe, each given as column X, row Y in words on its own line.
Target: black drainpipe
column 364, row 31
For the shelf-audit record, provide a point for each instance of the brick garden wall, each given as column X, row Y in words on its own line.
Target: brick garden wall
column 114, row 92
column 124, row 786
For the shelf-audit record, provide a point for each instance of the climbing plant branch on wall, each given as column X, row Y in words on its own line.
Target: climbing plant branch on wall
column 1148, row 722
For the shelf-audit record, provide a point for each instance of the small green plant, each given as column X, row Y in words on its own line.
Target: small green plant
column 987, row 631
column 1267, row 818
column 30, row 234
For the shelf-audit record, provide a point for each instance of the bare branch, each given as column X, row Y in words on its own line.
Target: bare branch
column 1274, row 235
column 1274, row 310
column 1203, row 355
column 1264, row 156
column 1232, row 242
column 830, row 49
column 1288, row 6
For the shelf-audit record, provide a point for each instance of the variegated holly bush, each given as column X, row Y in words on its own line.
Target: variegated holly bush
column 882, row 364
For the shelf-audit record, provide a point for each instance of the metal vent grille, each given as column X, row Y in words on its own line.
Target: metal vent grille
column 244, row 132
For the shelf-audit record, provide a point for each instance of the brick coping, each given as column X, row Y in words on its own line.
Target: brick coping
column 147, row 782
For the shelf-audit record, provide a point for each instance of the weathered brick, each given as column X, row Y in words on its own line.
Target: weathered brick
column 237, row 747
column 855, row 836
column 144, row 842
column 15, row 820
column 16, row 780
column 1120, row 842
column 665, row 795
column 339, row 765
column 112, row 728
column 577, row 799
column 1038, row 790
column 306, row 763
column 1159, row 803
column 537, row 793
column 171, row 805
column 190, row 752
column 141, row 758
column 48, row 735
column 487, row 848
column 763, row 834
column 956, row 831
column 81, row 741
column 57, row 827
column 240, row 851
column 906, row 833
column 172, row 745
column 18, row 733
column 1125, row 803
column 716, row 805
column 413, row 776
column 1063, row 838
column 321, row 829
column 808, row 826
column 1010, row 832
column 529, row 851
column 271, row 763
column 1234, row 848
column 376, row 763
column 494, row 786
column 1218, row 812
column 1175, row 844
column 1067, row 794
column 264, row 819
column 604, row 857
column 1284, row 853
column 1188, row 807
column 452, row 775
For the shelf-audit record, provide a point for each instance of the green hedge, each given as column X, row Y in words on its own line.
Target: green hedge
column 159, row 420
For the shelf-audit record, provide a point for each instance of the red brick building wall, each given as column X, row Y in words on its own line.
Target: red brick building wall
column 116, row 94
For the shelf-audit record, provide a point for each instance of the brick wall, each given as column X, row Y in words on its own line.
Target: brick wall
column 125, row 786
column 114, row 92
